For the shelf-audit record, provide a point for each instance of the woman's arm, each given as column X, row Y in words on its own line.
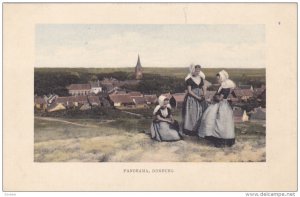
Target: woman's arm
column 221, row 97
column 204, row 91
column 171, row 118
column 158, row 117
column 203, row 86
column 192, row 93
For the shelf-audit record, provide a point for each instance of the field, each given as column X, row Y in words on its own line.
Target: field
column 175, row 72
column 124, row 140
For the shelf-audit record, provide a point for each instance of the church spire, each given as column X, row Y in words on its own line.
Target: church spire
column 138, row 64
column 138, row 69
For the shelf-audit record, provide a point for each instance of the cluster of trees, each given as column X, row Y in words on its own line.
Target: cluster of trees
column 56, row 82
column 157, row 84
column 119, row 75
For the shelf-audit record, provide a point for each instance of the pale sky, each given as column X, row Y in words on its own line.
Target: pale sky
column 238, row 46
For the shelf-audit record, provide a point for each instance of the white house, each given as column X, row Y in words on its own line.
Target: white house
column 95, row 87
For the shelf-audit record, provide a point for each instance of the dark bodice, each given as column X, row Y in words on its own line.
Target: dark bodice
column 225, row 92
column 160, row 114
column 193, row 85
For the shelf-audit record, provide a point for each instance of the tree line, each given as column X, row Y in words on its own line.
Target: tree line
column 56, row 82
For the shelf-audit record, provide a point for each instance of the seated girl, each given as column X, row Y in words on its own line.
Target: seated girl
column 164, row 127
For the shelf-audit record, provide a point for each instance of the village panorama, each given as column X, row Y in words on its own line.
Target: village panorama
column 111, row 92
column 93, row 105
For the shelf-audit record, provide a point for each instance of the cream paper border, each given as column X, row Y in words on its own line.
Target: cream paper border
column 279, row 172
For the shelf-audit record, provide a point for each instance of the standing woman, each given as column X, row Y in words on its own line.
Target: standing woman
column 217, row 123
column 194, row 103
column 164, row 127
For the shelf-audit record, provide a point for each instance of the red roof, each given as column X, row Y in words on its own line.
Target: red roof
column 258, row 91
column 71, row 99
column 120, row 98
column 79, row 87
column 80, row 98
column 135, row 94
column 94, row 99
column 138, row 100
column 119, row 92
column 63, row 100
column 243, row 92
column 151, row 98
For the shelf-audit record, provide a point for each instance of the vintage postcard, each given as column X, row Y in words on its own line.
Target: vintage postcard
column 171, row 92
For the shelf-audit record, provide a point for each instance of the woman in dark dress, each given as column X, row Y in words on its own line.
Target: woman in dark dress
column 164, row 127
column 194, row 102
column 217, row 124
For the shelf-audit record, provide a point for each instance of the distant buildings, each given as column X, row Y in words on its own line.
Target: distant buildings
column 245, row 87
column 139, row 101
column 240, row 115
column 135, row 94
column 258, row 114
column 242, row 94
column 66, row 102
column 150, row 99
column 132, row 99
column 96, row 88
column 79, row 89
column 109, row 84
column 111, row 92
column 258, row 91
column 121, row 100
column 40, row 103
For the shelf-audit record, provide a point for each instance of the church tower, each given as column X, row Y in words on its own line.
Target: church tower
column 138, row 69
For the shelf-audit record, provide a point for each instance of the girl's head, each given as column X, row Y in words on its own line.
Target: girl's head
column 218, row 79
column 196, row 70
column 163, row 101
column 222, row 76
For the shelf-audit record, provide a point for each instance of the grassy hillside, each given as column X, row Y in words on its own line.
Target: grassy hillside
column 87, row 140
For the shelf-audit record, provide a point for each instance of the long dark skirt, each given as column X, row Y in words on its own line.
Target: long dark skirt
column 164, row 131
column 192, row 111
column 217, row 124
